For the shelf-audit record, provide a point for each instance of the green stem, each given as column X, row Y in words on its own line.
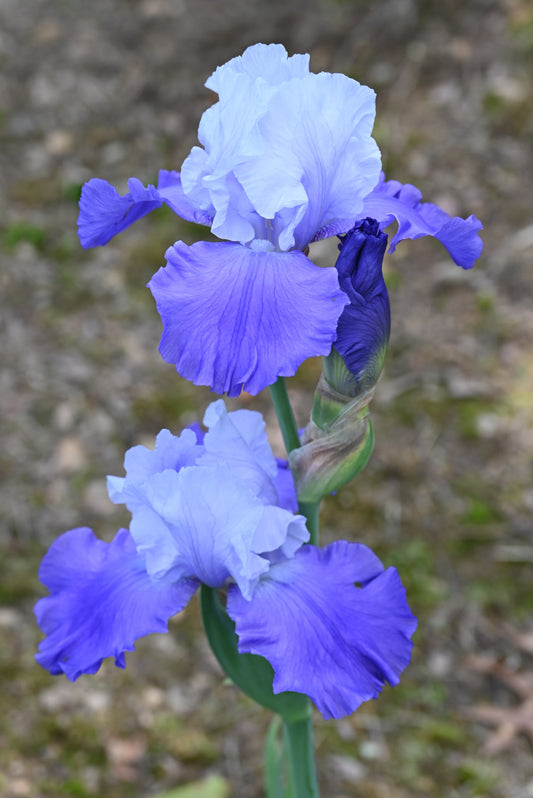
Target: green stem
column 301, row 754
column 291, row 439
column 310, row 511
column 298, row 733
column 286, row 419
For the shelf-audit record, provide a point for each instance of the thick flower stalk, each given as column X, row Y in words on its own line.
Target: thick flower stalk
column 287, row 158
column 217, row 510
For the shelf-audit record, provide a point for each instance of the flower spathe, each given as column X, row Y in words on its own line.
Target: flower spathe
column 210, row 512
column 287, row 158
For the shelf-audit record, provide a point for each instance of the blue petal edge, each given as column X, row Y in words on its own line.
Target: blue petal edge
column 391, row 200
column 332, row 622
column 104, row 212
column 101, row 601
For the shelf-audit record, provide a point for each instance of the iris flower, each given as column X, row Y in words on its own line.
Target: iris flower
column 218, row 509
column 287, row 158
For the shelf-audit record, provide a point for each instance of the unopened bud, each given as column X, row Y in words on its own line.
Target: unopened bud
column 339, row 439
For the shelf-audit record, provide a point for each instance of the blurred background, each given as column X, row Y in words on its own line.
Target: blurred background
column 114, row 88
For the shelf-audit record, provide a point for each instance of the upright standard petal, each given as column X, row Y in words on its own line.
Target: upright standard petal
column 269, row 61
column 320, row 159
column 236, row 318
column 332, row 622
column 239, row 440
column 171, row 452
column 206, row 523
column 210, row 510
column 391, row 200
column 101, row 601
column 287, row 155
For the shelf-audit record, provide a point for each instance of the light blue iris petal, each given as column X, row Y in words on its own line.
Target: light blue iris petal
column 320, row 159
column 171, row 452
column 324, row 636
column 229, row 133
column 235, row 318
column 211, row 519
column 239, row 440
column 268, row 60
column 279, row 534
column 391, row 200
column 101, row 601
column 288, row 154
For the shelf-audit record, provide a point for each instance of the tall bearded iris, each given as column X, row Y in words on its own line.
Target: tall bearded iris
column 332, row 622
column 287, row 158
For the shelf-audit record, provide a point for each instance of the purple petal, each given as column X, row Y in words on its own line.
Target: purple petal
column 104, row 213
column 171, row 192
column 285, row 486
column 324, row 636
column 390, row 199
column 236, row 318
column 101, row 601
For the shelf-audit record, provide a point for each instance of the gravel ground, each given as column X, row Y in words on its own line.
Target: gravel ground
column 115, row 89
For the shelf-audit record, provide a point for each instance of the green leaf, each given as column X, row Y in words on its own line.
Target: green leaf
column 253, row 674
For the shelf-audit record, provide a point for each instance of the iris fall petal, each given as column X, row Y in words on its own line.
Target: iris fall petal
column 101, row 601
column 324, row 636
column 235, row 318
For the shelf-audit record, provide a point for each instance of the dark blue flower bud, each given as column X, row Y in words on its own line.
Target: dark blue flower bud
column 364, row 327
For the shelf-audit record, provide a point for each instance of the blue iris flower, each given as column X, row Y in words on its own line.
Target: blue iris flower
column 219, row 509
column 287, row 158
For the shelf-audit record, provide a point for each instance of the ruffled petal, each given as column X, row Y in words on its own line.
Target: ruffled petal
column 325, row 636
column 320, row 160
column 279, row 534
column 287, row 154
column 206, row 523
column 235, row 318
column 239, row 440
column 270, row 61
column 364, row 327
column 104, row 213
column 391, row 200
column 140, row 463
column 170, row 451
column 101, row 601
